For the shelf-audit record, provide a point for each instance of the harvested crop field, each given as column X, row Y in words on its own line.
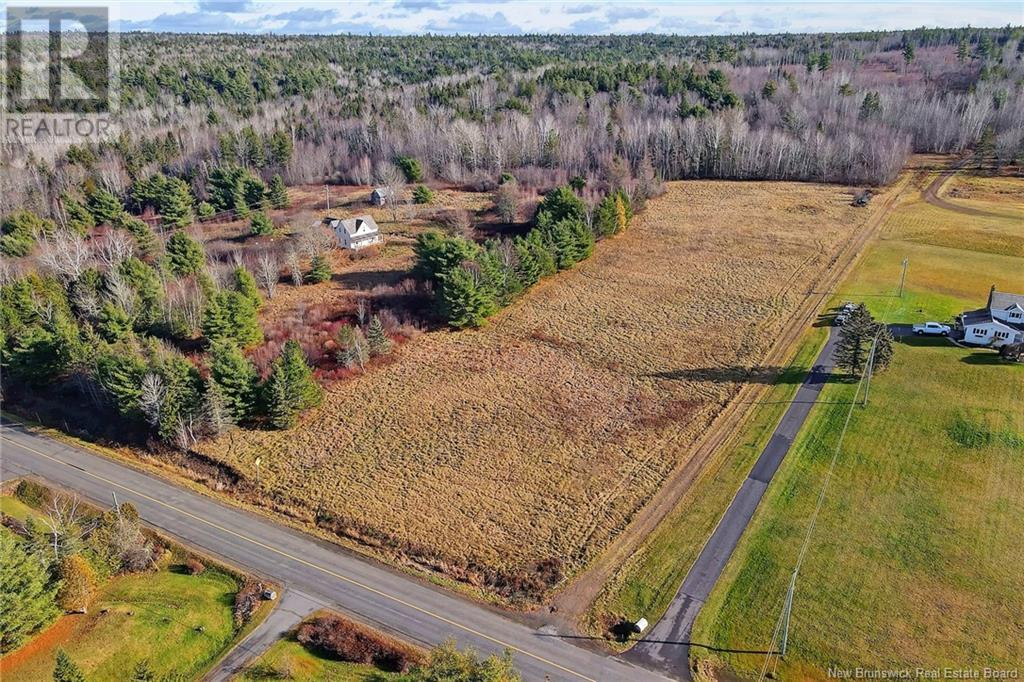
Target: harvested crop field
column 486, row 454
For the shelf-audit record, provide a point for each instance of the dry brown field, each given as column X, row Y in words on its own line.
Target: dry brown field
column 486, row 454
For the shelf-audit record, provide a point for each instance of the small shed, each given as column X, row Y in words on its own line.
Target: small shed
column 380, row 196
column 355, row 233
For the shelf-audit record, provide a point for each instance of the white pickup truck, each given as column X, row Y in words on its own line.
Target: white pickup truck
column 931, row 328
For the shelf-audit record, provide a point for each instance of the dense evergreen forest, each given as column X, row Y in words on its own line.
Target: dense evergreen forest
column 160, row 340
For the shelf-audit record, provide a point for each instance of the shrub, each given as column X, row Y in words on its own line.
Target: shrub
column 261, row 224
column 422, row 194
column 410, row 167
column 350, row 641
column 194, row 566
column 78, row 584
column 246, row 600
column 33, row 494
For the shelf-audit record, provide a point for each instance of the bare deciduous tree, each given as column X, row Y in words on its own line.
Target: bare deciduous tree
column 66, row 254
column 268, row 272
column 114, row 248
column 151, row 398
column 294, row 267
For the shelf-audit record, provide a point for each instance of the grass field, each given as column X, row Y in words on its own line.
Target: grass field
column 180, row 623
column 645, row 584
column 287, row 659
column 482, row 453
column 916, row 556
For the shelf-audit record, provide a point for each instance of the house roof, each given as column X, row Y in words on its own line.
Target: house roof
column 353, row 225
column 979, row 316
column 382, row 191
column 1001, row 300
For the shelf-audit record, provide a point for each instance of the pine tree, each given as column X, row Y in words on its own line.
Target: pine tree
column 320, row 270
column 908, row 53
column 245, row 284
column 282, row 411
column 464, row 303
column 302, row 387
column 185, row 256
column 231, row 315
column 261, row 224
column 103, row 205
column 377, row 338
column 235, row 377
column 855, row 340
column 79, row 219
column 278, row 193
column 144, row 237
column 66, row 670
column 962, row 51
column 175, row 203
column 606, row 216
column 27, row 598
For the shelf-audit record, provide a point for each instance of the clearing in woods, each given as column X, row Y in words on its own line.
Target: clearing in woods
column 915, row 558
column 508, row 456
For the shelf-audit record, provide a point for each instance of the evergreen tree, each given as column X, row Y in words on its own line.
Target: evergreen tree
column 183, row 392
column 410, row 167
column 963, row 51
column 231, row 315
column 421, row 194
column 437, row 254
column 320, row 269
column 855, row 340
column 113, row 323
column 254, row 191
column 464, row 303
column 79, row 219
column 66, row 670
column 280, row 148
column 282, row 412
column 261, row 224
column 291, row 387
column 27, row 600
column 245, row 284
column 175, row 203
column 353, row 349
column 144, row 237
column 206, row 210
column 377, row 338
column 278, row 193
column 527, row 266
column 185, row 256
column 606, row 220
column 103, row 205
column 562, row 203
column 236, row 378
column 824, row 61
column 149, row 291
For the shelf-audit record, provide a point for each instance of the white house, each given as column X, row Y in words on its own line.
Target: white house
column 998, row 323
column 380, row 196
column 355, row 233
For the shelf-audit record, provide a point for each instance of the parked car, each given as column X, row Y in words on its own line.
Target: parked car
column 848, row 307
column 841, row 318
column 932, row 329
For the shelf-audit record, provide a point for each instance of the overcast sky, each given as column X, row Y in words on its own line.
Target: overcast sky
column 585, row 16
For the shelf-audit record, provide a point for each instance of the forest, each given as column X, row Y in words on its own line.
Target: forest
column 108, row 293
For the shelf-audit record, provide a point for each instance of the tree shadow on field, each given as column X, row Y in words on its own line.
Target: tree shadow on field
column 989, row 358
column 368, row 279
column 769, row 375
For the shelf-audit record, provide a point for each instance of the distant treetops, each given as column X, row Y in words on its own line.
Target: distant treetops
column 473, row 281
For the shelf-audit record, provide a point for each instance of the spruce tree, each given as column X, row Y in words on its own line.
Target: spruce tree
column 79, row 219
column 463, row 302
column 606, row 216
column 855, row 339
column 320, row 270
column 28, row 599
column 175, row 203
column 278, row 194
column 235, row 378
column 66, row 670
column 231, row 315
column 302, row 387
column 185, row 256
column 282, row 412
column 260, row 224
column 104, row 206
column 245, row 284
column 377, row 338
column 144, row 237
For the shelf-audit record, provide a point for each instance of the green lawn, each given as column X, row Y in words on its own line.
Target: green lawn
column 645, row 585
column 180, row 623
column 287, row 659
column 916, row 556
column 14, row 507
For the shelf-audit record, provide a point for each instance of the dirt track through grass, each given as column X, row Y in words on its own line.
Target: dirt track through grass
column 540, row 437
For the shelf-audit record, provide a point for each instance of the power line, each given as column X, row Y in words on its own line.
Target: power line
column 782, row 624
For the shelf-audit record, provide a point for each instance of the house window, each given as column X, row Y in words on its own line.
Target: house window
column 1015, row 314
column 1001, row 335
column 978, row 331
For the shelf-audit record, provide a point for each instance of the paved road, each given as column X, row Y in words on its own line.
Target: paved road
column 331, row 576
column 291, row 610
column 666, row 647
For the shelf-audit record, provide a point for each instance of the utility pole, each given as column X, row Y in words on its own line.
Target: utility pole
column 786, row 611
column 327, row 193
column 257, row 473
column 869, row 369
column 903, row 275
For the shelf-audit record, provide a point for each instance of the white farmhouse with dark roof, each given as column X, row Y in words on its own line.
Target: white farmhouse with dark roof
column 1000, row 322
column 355, row 233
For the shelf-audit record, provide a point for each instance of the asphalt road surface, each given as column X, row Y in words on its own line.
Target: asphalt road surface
column 370, row 592
column 666, row 646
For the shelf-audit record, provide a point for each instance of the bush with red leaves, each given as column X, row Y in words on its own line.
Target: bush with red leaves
column 194, row 566
column 349, row 641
